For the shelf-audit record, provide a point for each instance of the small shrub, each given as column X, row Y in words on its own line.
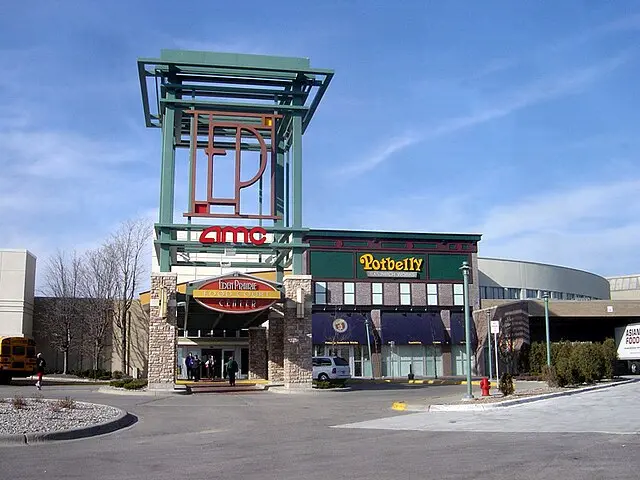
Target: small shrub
column 105, row 377
column 135, row 384
column 18, row 402
column 55, row 407
column 506, row 384
column 610, row 358
column 117, row 375
column 66, row 402
column 118, row 383
column 322, row 385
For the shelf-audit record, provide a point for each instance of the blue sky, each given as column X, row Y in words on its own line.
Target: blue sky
column 517, row 120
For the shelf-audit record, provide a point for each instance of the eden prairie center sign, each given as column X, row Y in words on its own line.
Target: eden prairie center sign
column 234, row 294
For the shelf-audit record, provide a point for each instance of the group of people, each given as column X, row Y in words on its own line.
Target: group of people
column 196, row 367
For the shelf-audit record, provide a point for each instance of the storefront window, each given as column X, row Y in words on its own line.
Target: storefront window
column 432, row 294
column 405, row 294
column 458, row 294
column 349, row 293
column 376, row 294
column 320, row 293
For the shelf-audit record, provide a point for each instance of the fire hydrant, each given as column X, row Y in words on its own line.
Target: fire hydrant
column 485, row 385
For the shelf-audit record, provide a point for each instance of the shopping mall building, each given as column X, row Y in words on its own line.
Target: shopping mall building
column 236, row 272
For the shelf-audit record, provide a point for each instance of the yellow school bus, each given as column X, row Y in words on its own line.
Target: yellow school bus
column 17, row 358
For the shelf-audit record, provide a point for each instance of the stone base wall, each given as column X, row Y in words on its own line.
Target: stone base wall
column 276, row 347
column 298, row 347
column 257, row 353
column 163, row 332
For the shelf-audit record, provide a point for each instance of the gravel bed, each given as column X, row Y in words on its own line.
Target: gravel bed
column 43, row 415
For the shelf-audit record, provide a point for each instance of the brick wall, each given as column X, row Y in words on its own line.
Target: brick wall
column 162, row 333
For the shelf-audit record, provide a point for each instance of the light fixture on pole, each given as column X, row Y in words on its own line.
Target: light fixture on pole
column 467, row 327
column 546, row 324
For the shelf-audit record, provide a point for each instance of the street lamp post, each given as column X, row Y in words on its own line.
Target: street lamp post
column 467, row 326
column 546, row 324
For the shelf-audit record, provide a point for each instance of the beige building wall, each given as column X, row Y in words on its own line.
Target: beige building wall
column 137, row 342
column 17, row 284
column 625, row 287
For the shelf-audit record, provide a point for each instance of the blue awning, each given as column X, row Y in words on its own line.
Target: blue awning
column 323, row 332
column 412, row 328
column 457, row 329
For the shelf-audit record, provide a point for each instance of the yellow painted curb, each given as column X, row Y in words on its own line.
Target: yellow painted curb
column 401, row 406
column 238, row 382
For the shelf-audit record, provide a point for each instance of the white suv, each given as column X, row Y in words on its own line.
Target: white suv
column 331, row 368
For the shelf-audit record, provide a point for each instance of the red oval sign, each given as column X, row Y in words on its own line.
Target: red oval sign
column 237, row 295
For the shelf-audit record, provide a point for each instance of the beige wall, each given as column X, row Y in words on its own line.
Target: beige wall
column 137, row 344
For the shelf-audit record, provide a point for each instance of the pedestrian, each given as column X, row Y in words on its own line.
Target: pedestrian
column 189, row 364
column 40, row 366
column 211, row 363
column 197, row 365
column 232, row 369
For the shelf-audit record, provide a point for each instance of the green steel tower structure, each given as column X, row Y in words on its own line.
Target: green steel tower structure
column 244, row 112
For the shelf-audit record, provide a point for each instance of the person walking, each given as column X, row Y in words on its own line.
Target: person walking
column 232, row 369
column 197, row 366
column 40, row 366
column 189, row 364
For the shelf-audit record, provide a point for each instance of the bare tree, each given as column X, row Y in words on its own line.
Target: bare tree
column 60, row 319
column 127, row 248
column 99, row 282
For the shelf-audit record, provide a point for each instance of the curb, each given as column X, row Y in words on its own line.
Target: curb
column 309, row 391
column 401, row 406
column 146, row 393
column 123, row 420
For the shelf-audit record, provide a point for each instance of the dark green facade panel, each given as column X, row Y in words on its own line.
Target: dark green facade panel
column 402, row 245
column 322, row 243
column 426, row 246
column 323, row 264
column 355, row 243
column 446, row 267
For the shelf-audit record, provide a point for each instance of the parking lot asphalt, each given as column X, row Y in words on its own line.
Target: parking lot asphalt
column 337, row 435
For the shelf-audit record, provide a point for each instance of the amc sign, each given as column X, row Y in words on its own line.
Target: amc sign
column 253, row 236
column 237, row 295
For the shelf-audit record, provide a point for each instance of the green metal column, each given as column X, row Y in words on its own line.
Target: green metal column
column 280, row 197
column 167, row 183
column 296, row 185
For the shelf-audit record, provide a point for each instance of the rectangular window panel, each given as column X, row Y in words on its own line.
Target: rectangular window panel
column 432, row 294
column 458, row 294
column 376, row 294
column 321, row 293
column 405, row 294
column 349, row 293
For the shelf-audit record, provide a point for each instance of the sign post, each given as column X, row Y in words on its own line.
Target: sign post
column 489, row 342
column 495, row 329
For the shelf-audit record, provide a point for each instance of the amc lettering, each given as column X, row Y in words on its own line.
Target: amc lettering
column 411, row 264
column 253, row 236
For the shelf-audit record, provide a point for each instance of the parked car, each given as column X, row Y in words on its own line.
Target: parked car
column 331, row 368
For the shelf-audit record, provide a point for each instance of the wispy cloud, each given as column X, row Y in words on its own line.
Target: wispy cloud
column 593, row 227
column 542, row 90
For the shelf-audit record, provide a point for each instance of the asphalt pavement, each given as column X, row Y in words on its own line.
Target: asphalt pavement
column 351, row 435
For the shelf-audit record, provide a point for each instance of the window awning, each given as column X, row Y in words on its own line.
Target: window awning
column 457, row 329
column 412, row 328
column 323, row 331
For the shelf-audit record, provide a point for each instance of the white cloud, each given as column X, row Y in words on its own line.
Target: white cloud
column 542, row 90
column 594, row 227
column 386, row 151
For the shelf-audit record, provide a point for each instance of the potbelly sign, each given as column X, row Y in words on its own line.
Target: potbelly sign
column 237, row 295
